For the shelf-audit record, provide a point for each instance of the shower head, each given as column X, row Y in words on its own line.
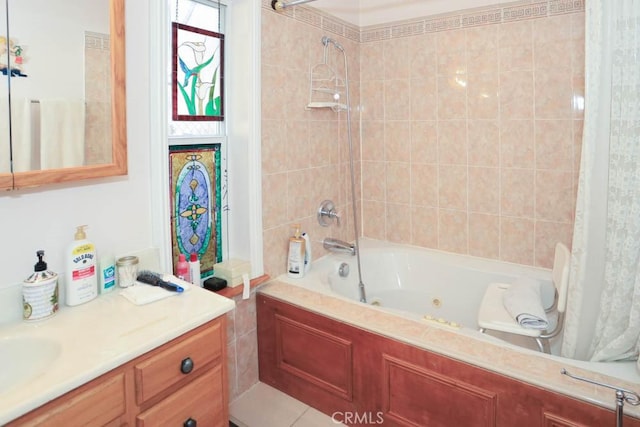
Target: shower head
column 279, row 4
column 326, row 40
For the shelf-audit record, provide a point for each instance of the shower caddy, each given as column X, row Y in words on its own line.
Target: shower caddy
column 327, row 88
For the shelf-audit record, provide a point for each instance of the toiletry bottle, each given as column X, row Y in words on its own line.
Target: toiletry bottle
column 194, row 269
column 307, row 252
column 295, row 261
column 82, row 272
column 40, row 292
column 182, row 268
column 107, row 274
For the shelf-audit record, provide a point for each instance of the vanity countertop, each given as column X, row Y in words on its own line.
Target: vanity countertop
column 93, row 338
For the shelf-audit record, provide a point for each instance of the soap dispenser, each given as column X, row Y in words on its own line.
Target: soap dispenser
column 82, row 278
column 40, row 292
column 307, row 252
column 295, row 261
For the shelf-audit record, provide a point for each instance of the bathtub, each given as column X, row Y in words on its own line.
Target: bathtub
column 443, row 291
column 419, row 283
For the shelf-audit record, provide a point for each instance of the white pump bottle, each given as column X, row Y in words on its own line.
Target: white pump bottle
column 297, row 250
column 81, row 283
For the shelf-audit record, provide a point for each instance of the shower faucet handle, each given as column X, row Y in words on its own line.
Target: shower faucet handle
column 327, row 213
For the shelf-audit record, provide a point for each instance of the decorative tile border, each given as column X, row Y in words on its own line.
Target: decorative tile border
column 557, row 7
column 443, row 24
column 97, row 41
column 352, row 33
column 308, row 16
column 409, row 29
column 482, row 18
column 319, row 19
column 530, row 11
column 333, row 25
column 508, row 12
column 376, row 34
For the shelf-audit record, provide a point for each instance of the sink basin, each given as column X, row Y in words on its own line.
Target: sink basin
column 24, row 358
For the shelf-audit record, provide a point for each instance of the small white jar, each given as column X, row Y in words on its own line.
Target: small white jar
column 127, row 268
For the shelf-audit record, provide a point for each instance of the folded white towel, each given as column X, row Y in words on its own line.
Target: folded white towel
column 141, row 293
column 523, row 302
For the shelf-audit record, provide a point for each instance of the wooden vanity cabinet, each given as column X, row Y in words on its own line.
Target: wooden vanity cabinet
column 183, row 382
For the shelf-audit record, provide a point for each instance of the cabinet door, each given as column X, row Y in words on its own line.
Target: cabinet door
column 200, row 403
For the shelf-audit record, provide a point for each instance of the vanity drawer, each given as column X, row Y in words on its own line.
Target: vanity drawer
column 98, row 403
column 180, row 360
column 200, row 403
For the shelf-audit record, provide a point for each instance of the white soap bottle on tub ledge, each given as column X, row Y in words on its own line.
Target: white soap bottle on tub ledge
column 297, row 250
column 307, row 253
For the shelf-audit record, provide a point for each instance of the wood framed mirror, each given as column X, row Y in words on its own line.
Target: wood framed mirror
column 115, row 164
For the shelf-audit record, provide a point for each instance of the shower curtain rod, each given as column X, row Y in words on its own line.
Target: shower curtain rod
column 279, row 4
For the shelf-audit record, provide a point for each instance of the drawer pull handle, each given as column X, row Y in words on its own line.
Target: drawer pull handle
column 185, row 367
column 190, row 423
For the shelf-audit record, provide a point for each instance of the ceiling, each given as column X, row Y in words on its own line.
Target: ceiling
column 373, row 12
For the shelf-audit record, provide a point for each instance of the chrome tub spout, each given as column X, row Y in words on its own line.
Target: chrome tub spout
column 338, row 246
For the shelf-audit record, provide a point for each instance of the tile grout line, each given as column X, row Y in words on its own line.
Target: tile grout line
column 300, row 416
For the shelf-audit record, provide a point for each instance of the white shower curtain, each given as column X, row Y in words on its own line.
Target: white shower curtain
column 606, row 245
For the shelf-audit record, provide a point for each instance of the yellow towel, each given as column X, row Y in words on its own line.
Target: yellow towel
column 5, row 158
column 61, row 133
column 21, row 143
column 21, row 137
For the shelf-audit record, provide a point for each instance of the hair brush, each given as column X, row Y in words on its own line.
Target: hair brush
column 154, row 279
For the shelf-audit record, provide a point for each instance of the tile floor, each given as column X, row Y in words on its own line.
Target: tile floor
column 264, row 406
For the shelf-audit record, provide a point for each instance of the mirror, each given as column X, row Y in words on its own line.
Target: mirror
column 5, row 163
column 66, row 86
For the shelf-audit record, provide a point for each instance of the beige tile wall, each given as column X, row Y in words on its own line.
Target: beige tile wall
column 97, row 98
column 470, row 126
column 242, row 346
column 304, row 152
column 471, row 137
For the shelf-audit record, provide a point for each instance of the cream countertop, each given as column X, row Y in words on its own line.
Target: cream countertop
column 98, row 336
